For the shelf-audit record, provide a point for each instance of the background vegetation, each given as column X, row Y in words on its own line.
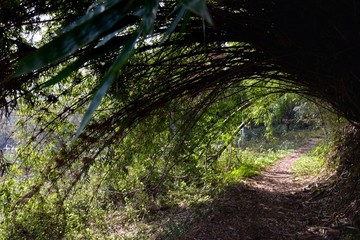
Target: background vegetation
column 123, row 111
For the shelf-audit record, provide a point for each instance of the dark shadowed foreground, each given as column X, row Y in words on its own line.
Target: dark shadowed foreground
column 273, row 206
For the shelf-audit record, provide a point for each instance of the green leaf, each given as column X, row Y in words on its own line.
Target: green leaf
column 72, row 67
column 112, row 74
column 64, row 73
column 80, row 33
column 174, row 23
column 149, row 15
column 198, row 7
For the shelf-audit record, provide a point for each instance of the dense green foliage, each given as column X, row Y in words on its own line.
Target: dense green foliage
column 128, row 107
column 168, row 164
column 134, row 196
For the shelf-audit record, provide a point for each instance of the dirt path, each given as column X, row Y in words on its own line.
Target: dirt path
column 280, row 178
column 272, row 206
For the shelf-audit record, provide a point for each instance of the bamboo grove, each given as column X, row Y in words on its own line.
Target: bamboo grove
column 109, row 83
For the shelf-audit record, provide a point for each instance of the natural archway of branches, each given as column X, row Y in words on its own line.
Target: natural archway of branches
column 149, row 88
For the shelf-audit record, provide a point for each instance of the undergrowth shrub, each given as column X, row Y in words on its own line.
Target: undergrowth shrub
column 38, row 222
column 136, row 197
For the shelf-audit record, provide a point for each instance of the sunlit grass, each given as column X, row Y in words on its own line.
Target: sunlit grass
column 308, row 165
column 313, row 162
column 249, row 163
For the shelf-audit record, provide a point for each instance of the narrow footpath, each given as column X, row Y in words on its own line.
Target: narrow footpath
column 271, row 206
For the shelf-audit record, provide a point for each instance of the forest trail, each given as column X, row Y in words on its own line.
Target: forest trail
column 272, row 206
column 280, row 178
